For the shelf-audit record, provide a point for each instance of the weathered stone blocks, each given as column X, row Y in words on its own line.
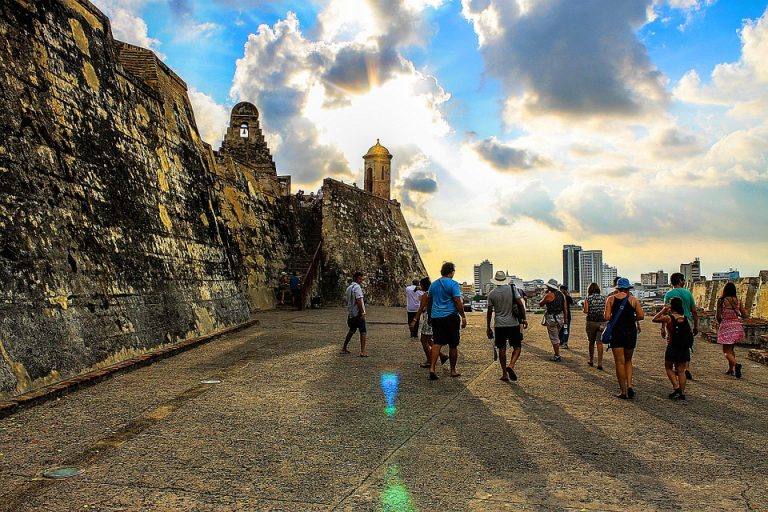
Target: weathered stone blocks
column 121, row 231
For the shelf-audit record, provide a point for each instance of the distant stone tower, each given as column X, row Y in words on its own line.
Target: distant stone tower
column 244, row 140
column 378, row 171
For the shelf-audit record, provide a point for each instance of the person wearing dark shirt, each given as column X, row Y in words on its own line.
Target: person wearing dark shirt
column 624, row 338
column 565, row 332
column 295, row 283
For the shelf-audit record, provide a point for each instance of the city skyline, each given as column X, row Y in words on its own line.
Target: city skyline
column 658, row 277
column 499, row 135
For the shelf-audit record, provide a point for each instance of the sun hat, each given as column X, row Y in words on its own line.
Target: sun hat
column 500, row 278
column 552, row 285
column 623, row 284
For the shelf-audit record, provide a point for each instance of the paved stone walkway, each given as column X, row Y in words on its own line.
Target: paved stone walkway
column 293, row 425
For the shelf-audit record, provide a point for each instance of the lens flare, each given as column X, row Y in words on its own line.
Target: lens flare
column 395, row 497
column 389, row 384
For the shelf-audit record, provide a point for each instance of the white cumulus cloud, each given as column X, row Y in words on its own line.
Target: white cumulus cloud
column 212, row 118
column 328, row 99
column 568, row 59
column 127, row 26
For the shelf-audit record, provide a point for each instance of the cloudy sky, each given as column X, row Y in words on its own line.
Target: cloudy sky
column 639, row 127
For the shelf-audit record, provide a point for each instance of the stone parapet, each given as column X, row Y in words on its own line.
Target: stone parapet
column 752, row 292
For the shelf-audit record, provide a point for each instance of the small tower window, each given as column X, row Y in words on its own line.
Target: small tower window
column 244, row 130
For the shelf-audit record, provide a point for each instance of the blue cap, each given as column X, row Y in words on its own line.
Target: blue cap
column 623, row 284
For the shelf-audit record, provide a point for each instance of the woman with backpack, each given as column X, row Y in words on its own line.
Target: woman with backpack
column 622, row 311
column 730, row 312
column 594, row 308
column 679, row 343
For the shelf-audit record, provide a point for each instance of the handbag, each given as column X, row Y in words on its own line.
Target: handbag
column 608, row 332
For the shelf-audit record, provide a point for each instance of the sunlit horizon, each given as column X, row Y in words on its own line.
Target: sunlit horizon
column 516, row 127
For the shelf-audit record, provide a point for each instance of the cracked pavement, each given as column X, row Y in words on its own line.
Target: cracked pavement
column 294, row 425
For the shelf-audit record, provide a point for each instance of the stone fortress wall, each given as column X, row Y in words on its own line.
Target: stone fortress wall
column 752, row 292
column 120, row 229
column 363, row 231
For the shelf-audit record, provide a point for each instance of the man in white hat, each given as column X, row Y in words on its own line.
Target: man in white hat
column 554, row 317
column 506, row 302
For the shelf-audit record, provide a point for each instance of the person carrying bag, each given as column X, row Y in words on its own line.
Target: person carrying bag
column 621, row 333
column 608, row 332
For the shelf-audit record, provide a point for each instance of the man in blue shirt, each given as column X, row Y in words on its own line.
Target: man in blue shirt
column 446, row 313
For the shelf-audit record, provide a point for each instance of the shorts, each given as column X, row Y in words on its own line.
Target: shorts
column 624, row 338
column 677, row 354
column 594, row 331
column 445, row 330
column 355, row 322
column 554, row 323
column 502, row 335
column 426, row 329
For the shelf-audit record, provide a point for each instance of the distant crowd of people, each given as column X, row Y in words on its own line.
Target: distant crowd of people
column 289, row 289
column 612, row 322
column 309, row 200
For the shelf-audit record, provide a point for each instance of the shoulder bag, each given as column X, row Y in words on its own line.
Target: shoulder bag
column 608, row 332
column 515, row 307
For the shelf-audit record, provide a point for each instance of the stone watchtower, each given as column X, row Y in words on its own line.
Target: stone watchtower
column 245, row 142
column 378, row 171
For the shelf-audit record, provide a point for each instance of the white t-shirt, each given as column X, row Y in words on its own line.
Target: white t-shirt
column 413, row 298
column 354, row 292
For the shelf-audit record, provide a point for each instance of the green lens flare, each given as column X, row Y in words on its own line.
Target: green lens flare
column 395, row 497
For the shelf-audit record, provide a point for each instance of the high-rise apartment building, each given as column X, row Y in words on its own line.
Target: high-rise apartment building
column 571, row 266
column 609, row 274
column 590, row 270
column 659, row 278
column 691, row 271
column 483, row 275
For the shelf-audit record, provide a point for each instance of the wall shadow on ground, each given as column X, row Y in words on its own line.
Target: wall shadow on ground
column 696, row 423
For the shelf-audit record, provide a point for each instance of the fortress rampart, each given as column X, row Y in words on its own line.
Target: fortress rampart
column 752, row 292
column 363, row 231
column 121, row 230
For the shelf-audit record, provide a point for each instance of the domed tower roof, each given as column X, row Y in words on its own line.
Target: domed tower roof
column 378, row 150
